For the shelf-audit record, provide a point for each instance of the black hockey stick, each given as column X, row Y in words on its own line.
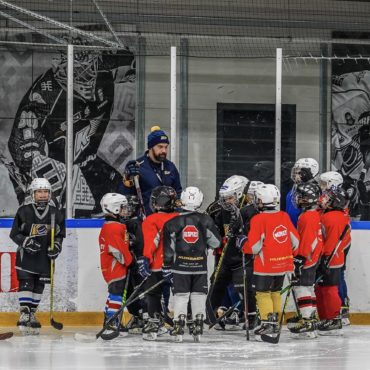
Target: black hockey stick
column 139, row 196
column 245, row 297
column 209, row 309
column 275, row 340
column 7, row 335
column 56, row 325
column 344, row 232
column 225, row 314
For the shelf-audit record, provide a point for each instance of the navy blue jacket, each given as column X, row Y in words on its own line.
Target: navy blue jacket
column 291, row 209
column 153, row 175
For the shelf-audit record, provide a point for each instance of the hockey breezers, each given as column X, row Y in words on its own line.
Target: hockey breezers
column 53, row 323
column 275, row 339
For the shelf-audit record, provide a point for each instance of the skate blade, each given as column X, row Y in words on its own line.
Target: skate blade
column 150, row 336
column 196, row 338
column 331, row 333
column 135, row 331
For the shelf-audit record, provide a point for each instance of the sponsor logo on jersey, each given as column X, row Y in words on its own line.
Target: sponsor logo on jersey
column 280, row 234
column 190, row 234
column 39, row 229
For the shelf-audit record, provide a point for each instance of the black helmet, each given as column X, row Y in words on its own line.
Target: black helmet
column 133, row 205
column 163, row 198
column 306, row 195
column 334, row 198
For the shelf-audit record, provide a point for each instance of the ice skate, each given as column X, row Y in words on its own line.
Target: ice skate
column 331, row 327
column 293, row 321
column 24, row 322
column 197, row 331
column 345, row 316
column 178, row 330
column 233, row 322
column 35, row 325
column 253, row 322
column 304, row 329
column 150, row 330
column 221, row 325
column 136, row 324
column 269, row 327
column 113, row 329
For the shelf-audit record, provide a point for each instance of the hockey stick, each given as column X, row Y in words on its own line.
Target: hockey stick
column 118, row 329
column 139, row 195
column 56, row 325
column 245, row 297
column 88, row 338
column 209, row 309
column 7, row 335
column 225, row 314
column 275, row 340
column 344, row 232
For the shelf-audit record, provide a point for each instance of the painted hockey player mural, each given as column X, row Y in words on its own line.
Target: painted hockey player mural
column 103, row 127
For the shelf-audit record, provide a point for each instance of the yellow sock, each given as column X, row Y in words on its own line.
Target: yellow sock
column 265, row 304
column 276, row 300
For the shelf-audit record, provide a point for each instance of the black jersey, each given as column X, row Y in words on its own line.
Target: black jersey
column 222, row 218
column 135, row 236
column 32, row 223
column 186, row 239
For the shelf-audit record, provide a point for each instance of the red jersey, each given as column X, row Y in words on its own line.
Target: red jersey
column 153, row 242
column 333, row 225
column 114, row 251
column 310, row 237
column 274, row 240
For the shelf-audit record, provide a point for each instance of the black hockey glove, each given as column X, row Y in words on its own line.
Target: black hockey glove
column 323, row 268
column 53, row 254
column 298, row 265
column 32, row 246
column 132, row 169
column 143, row 264
column 235, row 224
column 167, row 274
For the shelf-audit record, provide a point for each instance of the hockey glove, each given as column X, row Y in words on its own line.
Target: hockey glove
column 298, row 265
column 323, row 268
column 167, row 275
column 132, row 169
column 235, row 224
column 32, row 246
column 143, row 264
column 240, row 241
column 54, row 253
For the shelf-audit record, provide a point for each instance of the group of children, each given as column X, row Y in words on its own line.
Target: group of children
column 256, row 245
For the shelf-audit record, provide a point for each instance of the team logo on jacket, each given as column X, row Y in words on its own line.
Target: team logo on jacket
column 280, row 234
column 190, row 234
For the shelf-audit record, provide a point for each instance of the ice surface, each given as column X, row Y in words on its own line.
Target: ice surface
column 218, row 350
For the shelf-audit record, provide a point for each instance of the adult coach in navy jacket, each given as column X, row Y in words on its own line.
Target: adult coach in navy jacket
column 153, row 168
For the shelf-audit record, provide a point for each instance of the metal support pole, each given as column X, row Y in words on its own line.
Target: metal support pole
column 140, row 97
column 69, row 156
column 279, row 62
column 173, row 105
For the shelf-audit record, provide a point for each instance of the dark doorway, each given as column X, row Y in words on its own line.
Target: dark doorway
column 246, row 142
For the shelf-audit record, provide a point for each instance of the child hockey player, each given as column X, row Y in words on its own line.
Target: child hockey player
column 162, row 201
column 326, row 181
column 304, row 170
column 31, row 231
column 273, row 240
column 306, row 261
column 187, row 238
column 334, row 220
column 115, row 256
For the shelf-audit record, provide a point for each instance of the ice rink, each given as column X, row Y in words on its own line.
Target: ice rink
column 218, row 350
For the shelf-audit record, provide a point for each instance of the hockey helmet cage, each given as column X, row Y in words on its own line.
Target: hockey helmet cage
column 191, row 198
column 329, row 179
column 306, row 196
column 268, row 196
column 304, row 170
column 39, row 184
column 232, row 191
column 112, row 203
column 334, row 198
column 163, row 198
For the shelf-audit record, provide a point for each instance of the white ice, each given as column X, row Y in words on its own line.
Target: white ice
column 218, row 350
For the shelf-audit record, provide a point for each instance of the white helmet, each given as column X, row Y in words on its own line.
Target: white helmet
column 330, row 178
column 39, row 184
column 251, row 189
column 191, row 198
column 305, row 169
column 232, row 188
column 268, row 195
column 113, row 202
